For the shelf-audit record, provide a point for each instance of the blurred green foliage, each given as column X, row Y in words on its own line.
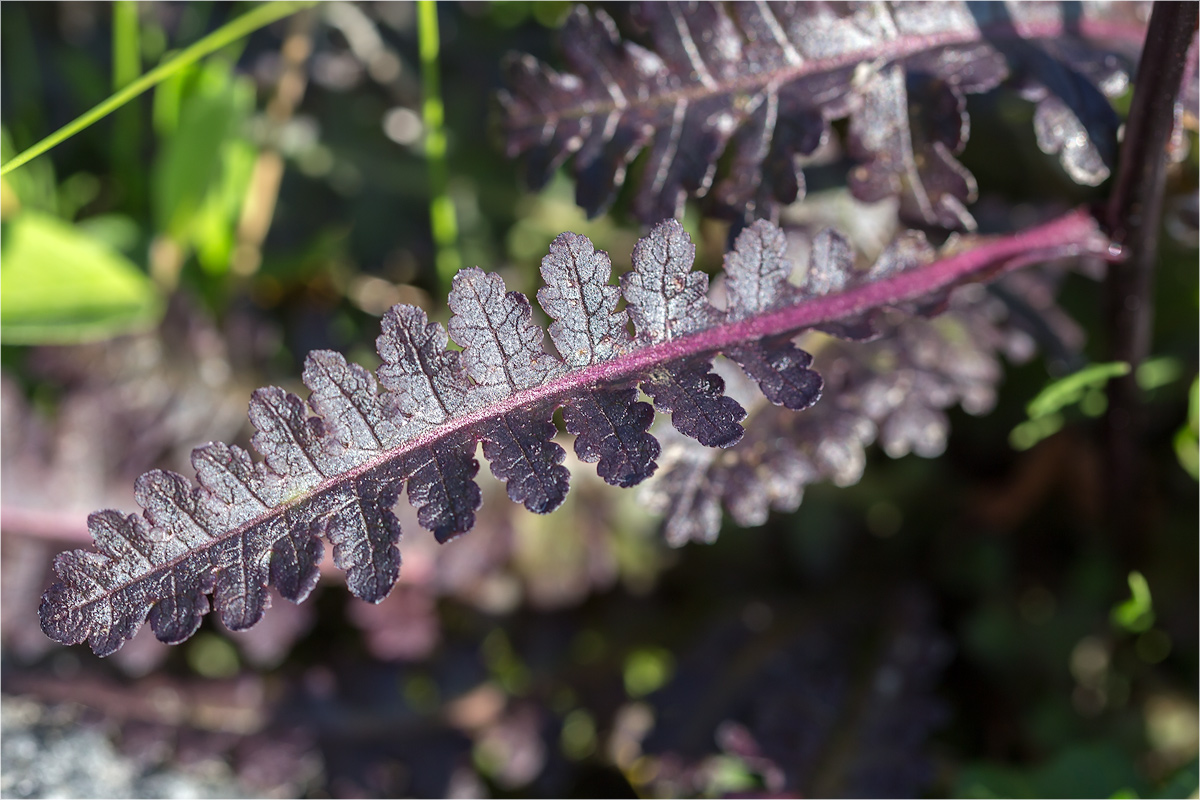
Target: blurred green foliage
column 1136, row 614
column 1187, row 440
column 61, row 285
column 205, row 159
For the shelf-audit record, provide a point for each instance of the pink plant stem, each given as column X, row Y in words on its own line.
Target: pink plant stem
column 36, row 523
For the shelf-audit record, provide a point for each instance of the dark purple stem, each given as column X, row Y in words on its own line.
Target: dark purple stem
column 1133, row 218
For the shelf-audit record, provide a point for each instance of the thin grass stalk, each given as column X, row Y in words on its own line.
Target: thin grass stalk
column 227, row 34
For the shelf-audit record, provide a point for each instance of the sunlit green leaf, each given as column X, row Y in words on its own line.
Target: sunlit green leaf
column 57, row 285
column 191, row 160
column 1028, row 433
column 215, row 228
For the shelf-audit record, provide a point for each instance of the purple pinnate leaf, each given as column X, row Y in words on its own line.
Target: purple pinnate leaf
column 295, row 561
column 1086, row 151
column 609, row 424
column 781, row 370
column 610, row 428
column 757, row 84
column 364, row 532
column 333, row 466
column 757, row 271
column 522, row 453
column 757, row 281
column 84, row 605
column 502, row 352
column 893, row 391
column 695, row 398
column 830, row 266
column 234, row 492
column 441, row 485
column 289, row 440
column 502, row 348
column 898, row 162
column 354, row 421
column 173, row 504
column 425, row 381
column 587, row 328
column 426, row 387
column 665, row 297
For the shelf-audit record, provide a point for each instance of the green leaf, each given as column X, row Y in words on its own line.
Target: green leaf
column 191, row 160
column 1137, row 613
column 117, row 232
column 442, row 217
column 1159, row 371
column 1070, row 390
column 127, row 50
column 168, row 97
column 59, row 286
column 1028, row 433
column 215, row 226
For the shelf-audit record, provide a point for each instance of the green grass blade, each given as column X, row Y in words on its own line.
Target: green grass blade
column 126, row 136
column 226, row 34
column 441, row 207
column 127, row 49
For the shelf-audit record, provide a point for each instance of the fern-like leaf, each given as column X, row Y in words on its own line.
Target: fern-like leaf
column 757, row 84
column 333, row 466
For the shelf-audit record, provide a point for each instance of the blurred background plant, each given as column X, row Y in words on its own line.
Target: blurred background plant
column 278, row 195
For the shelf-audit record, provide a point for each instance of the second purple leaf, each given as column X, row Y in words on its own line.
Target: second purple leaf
column 685, row 87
